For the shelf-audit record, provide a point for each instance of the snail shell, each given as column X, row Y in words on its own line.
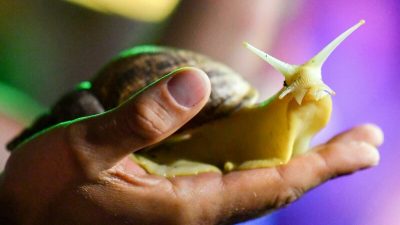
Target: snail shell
column 134, row 70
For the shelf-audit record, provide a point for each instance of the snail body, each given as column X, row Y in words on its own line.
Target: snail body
column 232, row 131
column 247, row 139
column 266, row 134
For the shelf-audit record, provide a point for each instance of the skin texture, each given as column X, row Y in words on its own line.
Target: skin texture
column 80, row 172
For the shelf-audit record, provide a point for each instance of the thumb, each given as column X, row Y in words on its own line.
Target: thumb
column 145, row 119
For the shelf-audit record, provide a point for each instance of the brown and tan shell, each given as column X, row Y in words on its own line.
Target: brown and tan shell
column 135, row 69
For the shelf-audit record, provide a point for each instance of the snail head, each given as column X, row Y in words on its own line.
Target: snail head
column 305, row 81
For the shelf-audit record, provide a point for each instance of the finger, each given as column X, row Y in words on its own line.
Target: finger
column 143, row 120
column 369, row 133
column 248, row 193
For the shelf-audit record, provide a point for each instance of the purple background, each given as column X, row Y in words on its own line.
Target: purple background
column 364, row 72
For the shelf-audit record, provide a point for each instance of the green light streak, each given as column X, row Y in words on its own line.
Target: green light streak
column 84, row 85
column 140, row 50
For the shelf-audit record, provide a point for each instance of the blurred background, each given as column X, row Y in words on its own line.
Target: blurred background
column 46, row 47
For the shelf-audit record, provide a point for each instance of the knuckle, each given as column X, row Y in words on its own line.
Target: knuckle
column 188, row 214
column 326, row 169
column 287, row 196
column 182, row 205
column 195, row 214
column 288, row 192
column 149, row 119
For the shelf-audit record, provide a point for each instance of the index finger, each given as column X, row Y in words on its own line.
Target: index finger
column 252, row 192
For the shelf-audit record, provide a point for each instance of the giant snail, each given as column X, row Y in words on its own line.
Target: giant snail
column 232, row 132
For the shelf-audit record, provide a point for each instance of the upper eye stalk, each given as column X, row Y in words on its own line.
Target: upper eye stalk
column 305, row 78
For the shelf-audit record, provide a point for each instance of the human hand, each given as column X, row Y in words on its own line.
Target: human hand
column 80, row 172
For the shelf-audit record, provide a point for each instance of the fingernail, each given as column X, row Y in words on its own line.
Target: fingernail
column 188, row 87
